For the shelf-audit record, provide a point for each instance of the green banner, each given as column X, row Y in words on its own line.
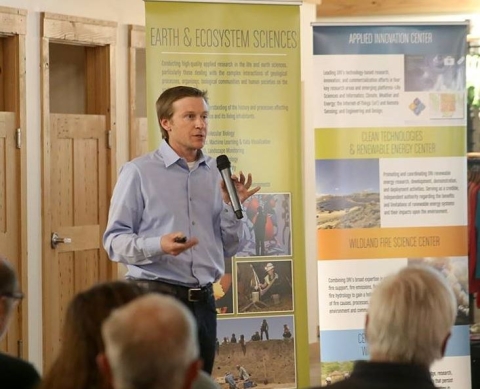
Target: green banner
column 247, row 56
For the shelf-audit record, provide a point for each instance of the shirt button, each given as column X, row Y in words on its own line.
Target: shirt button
column 193, row 223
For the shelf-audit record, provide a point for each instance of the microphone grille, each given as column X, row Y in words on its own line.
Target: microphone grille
column 223, row 162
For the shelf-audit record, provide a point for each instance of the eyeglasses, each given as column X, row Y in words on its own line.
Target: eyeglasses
column 14, row 295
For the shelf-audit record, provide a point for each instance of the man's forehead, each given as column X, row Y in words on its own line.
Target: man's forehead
column 191, row 103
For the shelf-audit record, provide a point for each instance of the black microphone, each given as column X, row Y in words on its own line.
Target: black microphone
column 223, row 165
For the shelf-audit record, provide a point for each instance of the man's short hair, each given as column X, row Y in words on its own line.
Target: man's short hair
column 410, row 316
column 164, row 104
column 150, row 342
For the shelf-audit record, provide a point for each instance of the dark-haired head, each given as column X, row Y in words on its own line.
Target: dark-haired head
column 75, row 366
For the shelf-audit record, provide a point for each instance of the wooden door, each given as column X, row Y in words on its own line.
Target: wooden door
column 9, row 221
column 78, row 168
column 13, row 228
column 79, row 202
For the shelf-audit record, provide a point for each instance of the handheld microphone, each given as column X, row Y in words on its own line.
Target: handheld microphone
column 223, row 165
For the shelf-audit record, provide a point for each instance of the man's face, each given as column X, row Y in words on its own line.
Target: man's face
column 187, row 129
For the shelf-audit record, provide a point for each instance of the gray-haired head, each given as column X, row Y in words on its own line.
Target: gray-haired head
column 150, row 342
column 410, row 317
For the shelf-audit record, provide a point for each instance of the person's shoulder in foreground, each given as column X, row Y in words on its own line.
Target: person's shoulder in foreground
column 408, row 324
column 204, row 381
column 385, row 375
column 15, row 373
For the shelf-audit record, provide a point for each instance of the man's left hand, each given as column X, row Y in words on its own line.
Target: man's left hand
column 242, row 186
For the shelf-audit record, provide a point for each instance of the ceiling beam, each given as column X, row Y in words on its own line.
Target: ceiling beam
column 352, row 8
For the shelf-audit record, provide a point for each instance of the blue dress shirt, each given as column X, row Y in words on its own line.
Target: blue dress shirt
column 157, row 194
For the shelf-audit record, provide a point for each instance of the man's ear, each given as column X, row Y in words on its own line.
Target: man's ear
column 165, row 123
column 192, row 373
column 105, row 369
column 444, row 344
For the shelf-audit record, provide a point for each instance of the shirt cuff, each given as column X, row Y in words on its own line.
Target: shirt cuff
column 228, row 210
column 152, row 247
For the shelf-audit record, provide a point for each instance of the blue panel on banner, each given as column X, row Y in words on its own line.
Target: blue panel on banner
column 396, row 39
column 459, row 343
column 343, row 345
column 351, row 345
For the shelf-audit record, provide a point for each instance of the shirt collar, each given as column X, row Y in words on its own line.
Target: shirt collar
column 170, row 156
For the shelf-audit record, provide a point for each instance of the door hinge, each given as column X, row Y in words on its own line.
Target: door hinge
column 109, row 139
column 20, row 348
column 18, row 138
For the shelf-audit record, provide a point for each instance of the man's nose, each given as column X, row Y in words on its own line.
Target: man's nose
column 200, row 122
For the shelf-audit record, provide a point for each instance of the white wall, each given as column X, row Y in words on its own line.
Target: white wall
column 123, row 12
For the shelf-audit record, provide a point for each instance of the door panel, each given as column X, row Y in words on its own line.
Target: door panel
column 9, row 214
column 78, row 202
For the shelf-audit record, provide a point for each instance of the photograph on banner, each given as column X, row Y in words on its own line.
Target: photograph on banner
column 267, row 227
column 264, row 286
column 264, row 346
column 335, row 371
column 435, row 72
column 223, row 290
column 347, row 193
column 455, row 271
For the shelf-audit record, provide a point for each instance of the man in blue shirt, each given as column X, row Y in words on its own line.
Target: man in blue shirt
column 172, row 193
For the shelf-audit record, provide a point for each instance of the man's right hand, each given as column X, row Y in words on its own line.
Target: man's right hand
column 169, row 245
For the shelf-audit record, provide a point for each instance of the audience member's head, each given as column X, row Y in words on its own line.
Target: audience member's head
column 75, row 367
column 9, row 294
column 410, row 317
column 151, row 343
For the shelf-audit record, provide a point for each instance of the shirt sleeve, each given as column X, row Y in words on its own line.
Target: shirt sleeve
column 120, row 239
column 232, row 231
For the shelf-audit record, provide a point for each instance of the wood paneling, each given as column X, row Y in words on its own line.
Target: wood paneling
column 353, row 8
column 72, row 29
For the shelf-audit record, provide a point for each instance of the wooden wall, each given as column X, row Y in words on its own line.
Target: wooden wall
column 354, row 8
